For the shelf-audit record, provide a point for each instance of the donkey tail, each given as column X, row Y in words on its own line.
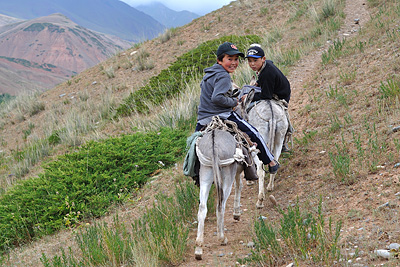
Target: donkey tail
column 272, row 128
column 217, row 171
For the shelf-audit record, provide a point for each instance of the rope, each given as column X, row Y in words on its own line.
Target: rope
column 231, row 127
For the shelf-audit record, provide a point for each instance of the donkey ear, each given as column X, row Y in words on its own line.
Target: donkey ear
column 253, row 81
column 249, row 97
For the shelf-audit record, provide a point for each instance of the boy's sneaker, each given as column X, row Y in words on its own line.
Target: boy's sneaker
column 285, row 148
column 274, row 169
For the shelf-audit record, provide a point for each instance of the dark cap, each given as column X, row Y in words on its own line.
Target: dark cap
column 255, row 51
column 229, row 49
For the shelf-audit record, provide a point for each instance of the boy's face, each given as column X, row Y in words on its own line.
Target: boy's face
column 256, row 63
column 229, row 63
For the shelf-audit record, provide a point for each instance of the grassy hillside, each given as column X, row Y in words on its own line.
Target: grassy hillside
column 341, row 173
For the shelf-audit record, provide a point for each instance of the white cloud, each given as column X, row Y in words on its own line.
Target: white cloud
column 199, row 7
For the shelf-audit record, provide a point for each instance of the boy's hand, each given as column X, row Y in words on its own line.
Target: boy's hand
column 238, row 102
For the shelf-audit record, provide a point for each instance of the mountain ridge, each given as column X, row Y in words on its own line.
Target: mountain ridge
column 107, row 16
column 166, row 16
column 53, row 47
column 4, row 20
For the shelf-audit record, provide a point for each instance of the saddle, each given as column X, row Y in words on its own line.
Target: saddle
column 244, row 143
column 245, row 148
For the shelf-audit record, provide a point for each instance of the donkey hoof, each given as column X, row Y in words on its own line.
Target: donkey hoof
column 224, row 242
column 249, row 183
column 236, row 217
column 273, row 200
column 259, row 205
column 198, row 253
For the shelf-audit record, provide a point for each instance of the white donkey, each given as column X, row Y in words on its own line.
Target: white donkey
column 221, row 163
column 269, row 118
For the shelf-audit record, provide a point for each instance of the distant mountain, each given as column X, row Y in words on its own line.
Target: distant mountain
column 7, row 20
column 107, row 16
column 166, row 16
column 40, row 53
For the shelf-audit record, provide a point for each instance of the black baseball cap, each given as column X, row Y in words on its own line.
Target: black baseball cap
column 229, row 49
column 255, row 52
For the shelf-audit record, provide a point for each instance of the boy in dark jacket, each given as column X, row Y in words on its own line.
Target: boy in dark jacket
column 273, row 83
column 216, row 99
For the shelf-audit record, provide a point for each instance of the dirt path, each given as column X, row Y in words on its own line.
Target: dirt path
column 238, row 233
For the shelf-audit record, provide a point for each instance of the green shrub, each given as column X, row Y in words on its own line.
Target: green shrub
column 54, row 138
column 5, row 97
column 171, row 81
column 84, row 184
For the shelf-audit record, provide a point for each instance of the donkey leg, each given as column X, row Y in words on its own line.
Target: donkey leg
column 229, row 175
column 206, row 178
column 261, row 191
column 220, row 225
column 238, row 191
column 270, row 186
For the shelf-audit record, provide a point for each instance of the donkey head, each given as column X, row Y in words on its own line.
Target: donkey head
column 241, row 108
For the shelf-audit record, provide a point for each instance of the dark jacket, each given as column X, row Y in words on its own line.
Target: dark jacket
column 216, row 93
column 272, row 82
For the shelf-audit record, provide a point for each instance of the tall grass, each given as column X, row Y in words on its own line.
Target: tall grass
column 298, row 10
column 25, row 159
column 334, row 51
column 157, row 238
column 390, row 88
column 24, row 105
column 84, row 117
column 177, row 112
column 306, row 140
column 301, row 236
column 341, row 163
column 167, row 35
column 142, row 60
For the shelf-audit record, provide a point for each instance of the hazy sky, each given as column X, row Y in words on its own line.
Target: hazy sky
column 199, row 7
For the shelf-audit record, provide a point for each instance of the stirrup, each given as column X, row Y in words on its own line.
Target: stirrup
column 274, row 169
